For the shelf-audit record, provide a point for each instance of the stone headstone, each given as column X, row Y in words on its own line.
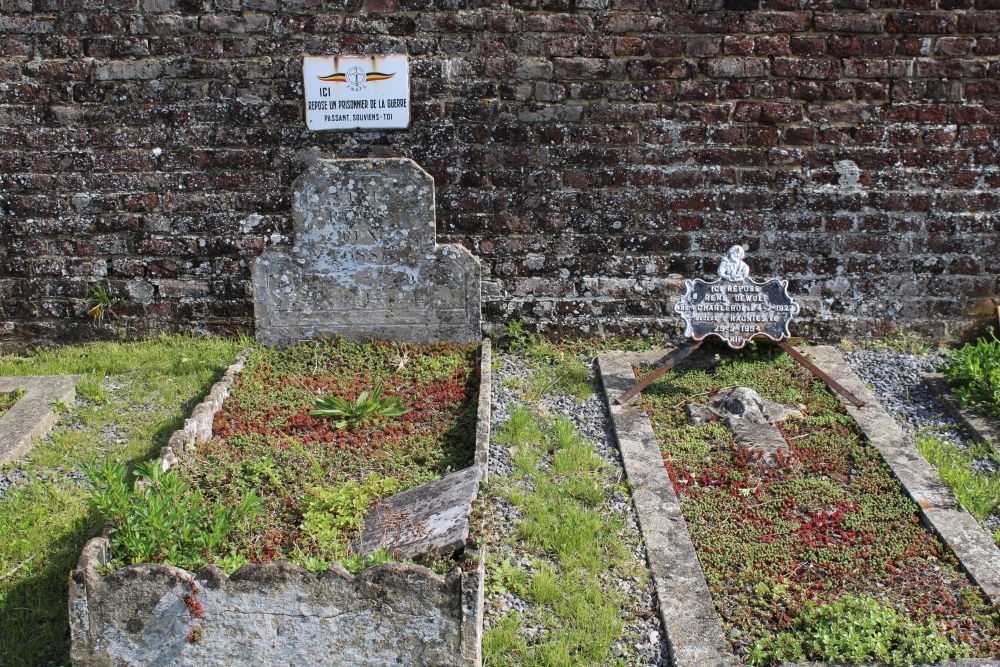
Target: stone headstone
column 735, row 307
column 365, row 263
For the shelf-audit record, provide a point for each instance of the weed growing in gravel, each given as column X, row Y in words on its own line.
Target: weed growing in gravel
column 556, row 366
column 559, row 490
column 974, row 374
column 977, row 492
column 826, row 519
column 9, row 398
column 88, row 388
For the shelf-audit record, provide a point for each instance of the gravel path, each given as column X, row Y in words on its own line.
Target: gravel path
column 643, row 642
column 897, row 378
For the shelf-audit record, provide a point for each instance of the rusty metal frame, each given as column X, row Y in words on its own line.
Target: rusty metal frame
column 682, row 353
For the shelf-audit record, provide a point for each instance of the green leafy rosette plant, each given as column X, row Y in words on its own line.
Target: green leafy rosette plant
column 348, row 414
column 161, row 518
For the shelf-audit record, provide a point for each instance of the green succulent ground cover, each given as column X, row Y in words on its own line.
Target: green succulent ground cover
column 973, row 371
column 279, row 482
column 818, row 555
column 131, row 397
column 8, row 399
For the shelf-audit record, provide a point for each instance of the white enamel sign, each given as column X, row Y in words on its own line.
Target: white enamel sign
column 356, row 92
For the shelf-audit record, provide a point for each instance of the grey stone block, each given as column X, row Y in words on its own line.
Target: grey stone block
column 34, row 414
column 272, row 614
column 364, row 263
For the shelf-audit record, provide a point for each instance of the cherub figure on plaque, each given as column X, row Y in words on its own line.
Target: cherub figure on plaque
column 732, row 267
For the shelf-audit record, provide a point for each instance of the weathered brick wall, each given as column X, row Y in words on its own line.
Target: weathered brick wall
column 590, row 152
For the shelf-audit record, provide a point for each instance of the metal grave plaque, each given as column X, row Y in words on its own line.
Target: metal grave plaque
column 735, row 307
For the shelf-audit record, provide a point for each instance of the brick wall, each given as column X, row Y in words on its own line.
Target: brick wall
column 591, row 153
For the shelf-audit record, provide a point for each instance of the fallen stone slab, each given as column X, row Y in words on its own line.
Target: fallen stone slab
column 749, row 416
column 430, row 517
column 34, row 414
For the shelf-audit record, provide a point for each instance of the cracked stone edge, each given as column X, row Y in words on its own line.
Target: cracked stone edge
column 33, row 415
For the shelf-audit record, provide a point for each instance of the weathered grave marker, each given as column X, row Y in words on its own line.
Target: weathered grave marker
column 737, row 309
column 364, row 263
column 748, row 415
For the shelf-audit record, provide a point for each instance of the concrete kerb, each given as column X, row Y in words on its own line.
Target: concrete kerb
column 980, row 426
column 694, row 635
column 433, row 619
column 34, row 414
column 694, row 631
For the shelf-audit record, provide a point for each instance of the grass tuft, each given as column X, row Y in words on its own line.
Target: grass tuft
column 977, row 492
column 559, row 491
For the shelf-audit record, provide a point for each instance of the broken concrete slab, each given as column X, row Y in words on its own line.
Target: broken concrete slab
column 749, row 416
column 272, row 614
column 365, row 263
column 34, row 414
column 427, row 518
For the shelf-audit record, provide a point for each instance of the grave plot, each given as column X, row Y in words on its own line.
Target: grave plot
column 782, row 528
column 307, row 463
column 269, row 490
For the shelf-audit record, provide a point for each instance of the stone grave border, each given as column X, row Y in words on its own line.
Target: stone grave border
column 456, row 597
column 33, row 415
column 695, row 635
column 979, row 425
